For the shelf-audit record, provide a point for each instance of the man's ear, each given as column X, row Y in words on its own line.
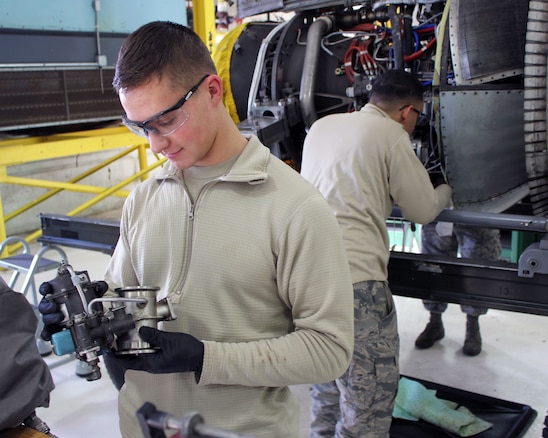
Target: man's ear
column 405, row 113
column 215, row 88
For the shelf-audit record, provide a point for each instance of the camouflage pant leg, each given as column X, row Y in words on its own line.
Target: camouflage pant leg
column 324, row 409
column 473, row 242
column 433, row 243
column 434, row 306
column 368, row 388
column 478, row 243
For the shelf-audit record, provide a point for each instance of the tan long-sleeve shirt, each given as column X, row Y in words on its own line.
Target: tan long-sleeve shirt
column 363, row 163
column 256, row 268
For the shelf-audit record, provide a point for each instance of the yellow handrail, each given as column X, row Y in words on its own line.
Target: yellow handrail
column 18, row 151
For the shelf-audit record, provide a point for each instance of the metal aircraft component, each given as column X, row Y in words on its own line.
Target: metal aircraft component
column 153, row 423
column 476, row 158
column 484, row 67
column 474, row 61
column 146, row 311
column 497, row 285
column 88, row 329
column 534, row 260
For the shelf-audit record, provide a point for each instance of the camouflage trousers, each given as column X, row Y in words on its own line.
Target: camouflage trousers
column 472, row 242
column 359, row 404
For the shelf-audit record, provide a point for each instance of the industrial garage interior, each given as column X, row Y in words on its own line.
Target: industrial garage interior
column 67, row 164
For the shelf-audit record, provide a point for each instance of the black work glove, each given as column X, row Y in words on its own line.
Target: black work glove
column 51, row 313
column 178, row 353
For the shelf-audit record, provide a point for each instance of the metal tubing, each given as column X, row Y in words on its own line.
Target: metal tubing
column 396, row 37
column 489, row 220
column 191, row 425
column 308, row 80
column 257, row 73
column 496, row 220
column 114, row 300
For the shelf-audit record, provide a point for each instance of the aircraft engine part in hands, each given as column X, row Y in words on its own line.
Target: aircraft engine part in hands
column 141, row 303
column 91, row 328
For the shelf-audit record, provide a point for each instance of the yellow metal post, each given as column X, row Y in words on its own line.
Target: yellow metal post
column 203, row 12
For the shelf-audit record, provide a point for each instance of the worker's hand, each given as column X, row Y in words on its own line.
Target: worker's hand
column 178, row 352
column 51, row 313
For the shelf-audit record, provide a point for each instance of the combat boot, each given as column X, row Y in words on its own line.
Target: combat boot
column 433, row 332
column 472, row 340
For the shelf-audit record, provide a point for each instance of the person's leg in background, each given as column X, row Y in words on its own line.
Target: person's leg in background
column 472, row 337
column 434, row 330
column 369, row 386
column 325, row 409
column 482, row 244
column 436, row 240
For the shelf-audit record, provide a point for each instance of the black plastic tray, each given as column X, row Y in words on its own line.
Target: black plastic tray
column 510, row 419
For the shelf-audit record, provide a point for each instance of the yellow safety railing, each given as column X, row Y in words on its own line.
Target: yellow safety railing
column 24, row 150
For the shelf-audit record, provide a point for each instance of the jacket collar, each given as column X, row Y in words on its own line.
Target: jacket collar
column 374, row 109
column 250, row 167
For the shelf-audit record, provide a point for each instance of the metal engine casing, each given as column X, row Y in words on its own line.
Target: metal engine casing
column 485, row 82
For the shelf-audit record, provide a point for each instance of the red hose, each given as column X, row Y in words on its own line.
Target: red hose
column 419, row 53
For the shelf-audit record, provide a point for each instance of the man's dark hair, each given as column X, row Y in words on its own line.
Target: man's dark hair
column 165, row 50
column 396, row 87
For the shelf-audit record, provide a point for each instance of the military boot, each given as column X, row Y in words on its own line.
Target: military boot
column 433, row 332
column 472, row 340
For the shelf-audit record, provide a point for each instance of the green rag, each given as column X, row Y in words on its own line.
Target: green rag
column 416, row 402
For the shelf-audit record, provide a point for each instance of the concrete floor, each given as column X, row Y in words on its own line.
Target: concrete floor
column 513, row 365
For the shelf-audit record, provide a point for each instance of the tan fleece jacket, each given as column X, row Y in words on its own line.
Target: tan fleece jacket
column 364, row 163
column 256, row 268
